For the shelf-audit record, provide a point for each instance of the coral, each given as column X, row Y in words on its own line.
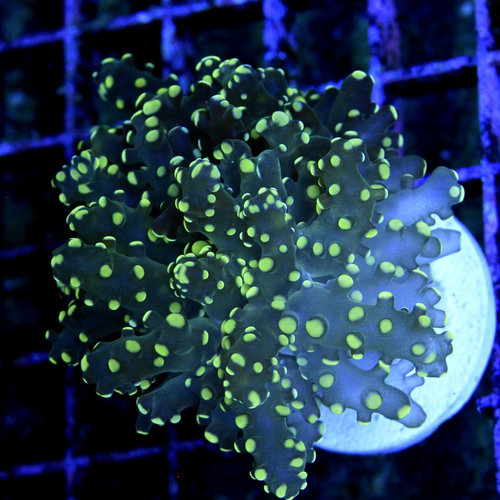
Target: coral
column 255, row 252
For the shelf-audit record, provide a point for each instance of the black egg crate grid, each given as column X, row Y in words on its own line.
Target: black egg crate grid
column 278, row 43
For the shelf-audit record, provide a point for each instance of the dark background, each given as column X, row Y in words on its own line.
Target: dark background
column 56, row 436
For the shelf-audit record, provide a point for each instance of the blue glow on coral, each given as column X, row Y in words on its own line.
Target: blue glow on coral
column 256, row 246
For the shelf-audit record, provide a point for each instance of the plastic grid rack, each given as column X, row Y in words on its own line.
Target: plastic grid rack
column 54, row 435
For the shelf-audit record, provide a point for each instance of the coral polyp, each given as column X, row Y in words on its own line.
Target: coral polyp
column 253, row 251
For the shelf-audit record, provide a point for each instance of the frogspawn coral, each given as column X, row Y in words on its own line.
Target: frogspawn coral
column 254, row 251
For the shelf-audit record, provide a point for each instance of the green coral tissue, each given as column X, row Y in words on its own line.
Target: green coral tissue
column 253, row 251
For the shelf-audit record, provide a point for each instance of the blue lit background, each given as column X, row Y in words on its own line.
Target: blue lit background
column 437, row 62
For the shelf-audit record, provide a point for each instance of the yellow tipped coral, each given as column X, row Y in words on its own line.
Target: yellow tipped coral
column 252, row 251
